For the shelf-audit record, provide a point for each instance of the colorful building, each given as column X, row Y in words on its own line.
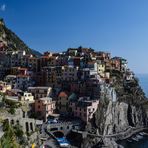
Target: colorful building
column 44, row 107
column 27, row 97
column 62, row 102
column 40, row 92
column 84, row 108
column 69, row 73
column 23, row 82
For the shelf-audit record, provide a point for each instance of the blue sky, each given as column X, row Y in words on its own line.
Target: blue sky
column 116, row 26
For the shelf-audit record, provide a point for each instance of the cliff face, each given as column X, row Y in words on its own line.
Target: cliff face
column 118, row 117
column 119, row 110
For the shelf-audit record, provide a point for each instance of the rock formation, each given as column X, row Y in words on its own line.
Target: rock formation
column 126, row 112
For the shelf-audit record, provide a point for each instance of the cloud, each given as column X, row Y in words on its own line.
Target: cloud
column 3, row 7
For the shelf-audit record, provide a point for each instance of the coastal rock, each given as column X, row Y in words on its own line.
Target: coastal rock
column 120, row 117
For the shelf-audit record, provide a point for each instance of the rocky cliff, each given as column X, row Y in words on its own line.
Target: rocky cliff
column 118, row 114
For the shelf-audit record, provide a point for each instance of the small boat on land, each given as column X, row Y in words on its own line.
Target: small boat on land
column 135, row 139
column 143, row 133
column 129, row 140
column 139, row 136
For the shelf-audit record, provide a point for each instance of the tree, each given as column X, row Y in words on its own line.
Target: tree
column 9, row 138
column 5, row 125
column 12, row 110
column 18, row 131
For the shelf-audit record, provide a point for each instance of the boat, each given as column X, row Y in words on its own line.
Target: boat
column 139, row 136
column 135, row 139
column 63, row 142
column 145, row 133
column 129, row 140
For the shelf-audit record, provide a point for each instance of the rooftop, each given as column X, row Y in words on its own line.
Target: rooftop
column 39, row 87
column 11, row 76
column 63, row 94
column 45, row 99
column 23, row 76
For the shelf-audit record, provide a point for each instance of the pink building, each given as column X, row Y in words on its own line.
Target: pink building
column 44, row 107
column 84, row 109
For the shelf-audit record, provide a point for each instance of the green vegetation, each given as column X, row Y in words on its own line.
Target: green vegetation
column 13, row 136
column 12, row 111
column 9, row 138
column 11, row 103
column 18, row 131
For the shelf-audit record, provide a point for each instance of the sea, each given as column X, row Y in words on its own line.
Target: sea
column 143, row 80
column 143, row 142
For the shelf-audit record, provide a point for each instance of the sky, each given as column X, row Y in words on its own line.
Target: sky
column 116, row 26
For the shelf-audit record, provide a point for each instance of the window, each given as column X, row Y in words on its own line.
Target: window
column 12, row 122
column 61, row 128
column 67, row 127
column 17, row 122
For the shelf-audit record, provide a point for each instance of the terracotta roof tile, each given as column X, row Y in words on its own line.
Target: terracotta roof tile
column 63, row 94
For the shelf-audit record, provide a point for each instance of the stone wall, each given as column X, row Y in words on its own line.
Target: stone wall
column 64, row 127
column 28, row 124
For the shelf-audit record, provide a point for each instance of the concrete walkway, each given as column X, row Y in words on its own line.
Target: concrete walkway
column 123, row 135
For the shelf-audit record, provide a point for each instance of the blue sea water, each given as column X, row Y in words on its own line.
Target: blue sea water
column 143, row 80
column 143, row 143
